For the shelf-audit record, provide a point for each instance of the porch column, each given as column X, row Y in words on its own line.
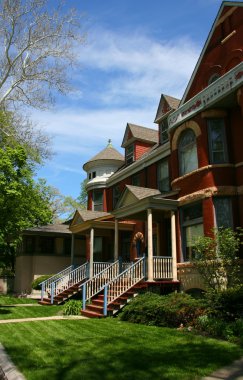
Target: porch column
column 116, row 240
column 72, row 250
column 173, row 245
column 150, row 244
column 91, row 257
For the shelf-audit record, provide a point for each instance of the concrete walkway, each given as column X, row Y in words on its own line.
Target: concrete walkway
column 231, row 372
column 55, row 317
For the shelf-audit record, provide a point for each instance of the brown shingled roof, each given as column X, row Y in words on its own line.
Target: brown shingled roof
column 142, row 192
column 140, row 133
column 173, row 104
column 49, row 229
column 91, row 215
column 109, row 153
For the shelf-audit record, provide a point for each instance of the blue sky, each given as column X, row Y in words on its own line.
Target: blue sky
column 135, row 50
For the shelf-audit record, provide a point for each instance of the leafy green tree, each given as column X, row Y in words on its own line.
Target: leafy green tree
column 22, row 202
column 216, row 258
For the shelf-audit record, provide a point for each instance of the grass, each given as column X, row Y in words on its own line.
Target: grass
column 111, row 350
column 12, row 312
column 11, row 300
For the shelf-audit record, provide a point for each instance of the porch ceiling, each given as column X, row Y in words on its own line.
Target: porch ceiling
column 138, row 210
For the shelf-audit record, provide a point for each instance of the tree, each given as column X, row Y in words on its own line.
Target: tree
column 22, row 203
column 37, row 49
column 216, row 258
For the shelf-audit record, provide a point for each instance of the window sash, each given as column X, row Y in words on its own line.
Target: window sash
column 217, row 141
column 188, row 160
column 129, row 154
column 223, row 212
column 163, row 180
column 98, row 200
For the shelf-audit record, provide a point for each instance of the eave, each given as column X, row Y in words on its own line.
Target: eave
column 208, row 97
column 138, row 210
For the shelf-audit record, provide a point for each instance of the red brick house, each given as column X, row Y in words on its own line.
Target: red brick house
column 176, row 181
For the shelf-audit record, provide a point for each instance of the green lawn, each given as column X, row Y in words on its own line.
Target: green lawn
column 15, row 312
column 10, row 300
column 111, row 350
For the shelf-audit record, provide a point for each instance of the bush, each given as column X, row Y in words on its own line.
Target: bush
column 226, row 304
column 72, row 307
column 36, row 283
column 171, row 310
column 218, row 328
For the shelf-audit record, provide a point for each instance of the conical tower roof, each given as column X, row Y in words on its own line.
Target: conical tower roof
column 109, row 153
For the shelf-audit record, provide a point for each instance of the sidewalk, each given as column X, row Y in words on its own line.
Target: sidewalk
column 55, row 317
column 231, row 372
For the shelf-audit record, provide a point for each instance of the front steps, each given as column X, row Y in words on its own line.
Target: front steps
column 95, row 308
column 63, row 296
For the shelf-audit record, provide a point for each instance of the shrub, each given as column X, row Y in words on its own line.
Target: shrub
column 226, row 304
column 36, row 283
column 218, row 328
column 171, row 310
column 72, row 307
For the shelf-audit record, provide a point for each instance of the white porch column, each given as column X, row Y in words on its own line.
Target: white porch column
column 91, row 258
column 173, row 245
column 116, row 240
column 72, row 250
column 150, row 244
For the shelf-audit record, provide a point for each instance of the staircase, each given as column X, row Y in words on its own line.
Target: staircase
column 63, row 285
column 116, row 293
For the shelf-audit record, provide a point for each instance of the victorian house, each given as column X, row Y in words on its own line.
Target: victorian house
column 175, row 182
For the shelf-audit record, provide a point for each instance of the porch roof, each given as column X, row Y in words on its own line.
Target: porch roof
column 84, row 220
column 137, row 200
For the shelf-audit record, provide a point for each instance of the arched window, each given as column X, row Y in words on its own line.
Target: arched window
column 187, row 152
column 213, row 78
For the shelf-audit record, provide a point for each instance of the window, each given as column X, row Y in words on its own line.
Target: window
column 223, row 212
column 136, row 180
column 213, row 78
column 46, row 245
column 163, row 176
column 187, row 152
column 217, row 141
column 92, row 175
column 163, row 128
column 192, row 227
column 130, row 154
column 97, row 200
column 116, row 195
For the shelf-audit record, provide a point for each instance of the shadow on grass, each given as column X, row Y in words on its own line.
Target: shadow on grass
column 5, row 311
column 119, row 357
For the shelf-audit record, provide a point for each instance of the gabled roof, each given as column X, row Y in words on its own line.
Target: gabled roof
column 133, row 194
column 137, row 132
column 82, row 216
column 166, row 104
column 224, row 4
column 109, row 153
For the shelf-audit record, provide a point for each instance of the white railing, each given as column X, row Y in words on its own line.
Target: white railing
column 74, row 277
column 162, row 267
column 122, row 283
column 213, row 93
column 46, row 285
column 94, row 285
column 99, row 267
column 125, row 265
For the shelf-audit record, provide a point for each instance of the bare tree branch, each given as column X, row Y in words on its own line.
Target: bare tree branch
column 37, row 49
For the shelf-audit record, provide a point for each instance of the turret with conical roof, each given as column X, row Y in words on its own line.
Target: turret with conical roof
column 100, row 167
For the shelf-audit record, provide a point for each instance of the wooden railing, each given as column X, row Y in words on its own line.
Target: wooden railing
column 95, row 284
column 46, row 285
column 162, row 267
column 123, row 282
column 74, row 277
column 99, row 267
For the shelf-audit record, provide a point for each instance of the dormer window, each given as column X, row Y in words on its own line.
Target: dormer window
column 163, row 131
column 129, row 154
